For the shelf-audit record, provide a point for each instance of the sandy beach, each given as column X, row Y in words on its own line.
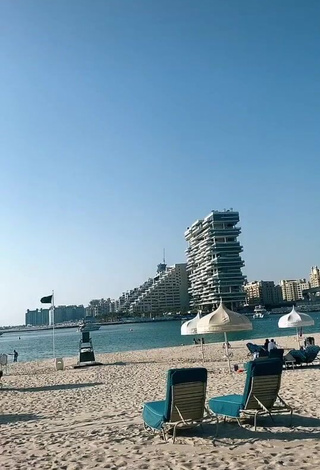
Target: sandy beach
column 91, row 418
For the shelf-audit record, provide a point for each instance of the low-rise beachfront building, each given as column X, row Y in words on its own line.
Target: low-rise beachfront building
column 100, row 307
column 37, row 317
column 292, row 289
column 263, row 293
column 214, row 262
column 69, row 313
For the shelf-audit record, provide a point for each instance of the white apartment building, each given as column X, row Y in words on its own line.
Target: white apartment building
column 292, row 289
column 252, row 290
column 100, row 307
column 263, row 292
column 168, row 292
column 315, row 277
column 127, row 298
column 213, row 261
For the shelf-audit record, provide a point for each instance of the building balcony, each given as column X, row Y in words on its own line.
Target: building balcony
column 227, row 246
column 224, row 275
column 225, row 232
column 238, row 281
column 226, row 217
column 224, row 261
column 215, row 286
column 225, row 299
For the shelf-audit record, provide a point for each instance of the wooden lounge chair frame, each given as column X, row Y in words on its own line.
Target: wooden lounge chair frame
column 260, row 396
column 264, row 399
column 187, row 408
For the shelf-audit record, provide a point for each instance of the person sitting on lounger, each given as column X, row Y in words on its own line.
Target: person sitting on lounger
column 272, row 345
column 266, row 343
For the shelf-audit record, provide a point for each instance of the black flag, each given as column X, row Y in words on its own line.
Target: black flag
column 46, row 300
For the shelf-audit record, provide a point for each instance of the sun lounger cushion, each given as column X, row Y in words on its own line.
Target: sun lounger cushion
column 298, row 355
column 311, row 353
column 229, row 405
column 154, row 413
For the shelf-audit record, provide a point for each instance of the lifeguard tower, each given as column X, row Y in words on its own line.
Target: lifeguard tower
column 86, row 352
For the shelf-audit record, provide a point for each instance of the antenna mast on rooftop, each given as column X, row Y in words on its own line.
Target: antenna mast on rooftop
column 162, row 266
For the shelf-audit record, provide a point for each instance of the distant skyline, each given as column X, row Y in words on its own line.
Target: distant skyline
column 125, row 121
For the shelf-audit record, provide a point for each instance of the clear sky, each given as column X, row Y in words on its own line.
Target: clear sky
column 124, row 121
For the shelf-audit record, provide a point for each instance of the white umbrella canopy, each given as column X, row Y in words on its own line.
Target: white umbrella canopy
column 223, row 320
column 189, row 327
column 295, row 319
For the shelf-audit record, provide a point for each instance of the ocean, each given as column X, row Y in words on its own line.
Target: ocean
column 129, row 337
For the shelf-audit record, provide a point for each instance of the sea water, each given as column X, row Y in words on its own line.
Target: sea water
column 37, row 345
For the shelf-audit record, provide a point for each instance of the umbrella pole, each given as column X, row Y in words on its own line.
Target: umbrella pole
column 298, row 337
column 202, row 350
column 227, row 351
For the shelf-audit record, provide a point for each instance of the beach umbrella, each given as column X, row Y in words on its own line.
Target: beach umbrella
column 295, row 319
column 223, row 320
column 190, row 328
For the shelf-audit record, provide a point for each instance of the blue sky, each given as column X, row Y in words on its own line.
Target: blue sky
column 122, row 122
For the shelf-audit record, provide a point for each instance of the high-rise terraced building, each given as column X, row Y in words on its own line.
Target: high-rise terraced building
column 214, row 262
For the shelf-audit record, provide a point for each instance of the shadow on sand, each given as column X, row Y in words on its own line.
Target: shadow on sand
column 49, row 388
column 303, row 427
column 14, row 418
column 312, row 365
column 121, row 363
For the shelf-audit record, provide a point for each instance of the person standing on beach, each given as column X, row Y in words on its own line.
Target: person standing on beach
column 15, row 356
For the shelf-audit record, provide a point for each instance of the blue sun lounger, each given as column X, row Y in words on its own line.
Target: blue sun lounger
column 305, row 356
column 260, row 396
column 311, row 353
column 255, row 348
column 184, row 405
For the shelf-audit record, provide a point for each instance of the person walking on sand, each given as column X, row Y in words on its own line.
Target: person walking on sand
column 15, row 356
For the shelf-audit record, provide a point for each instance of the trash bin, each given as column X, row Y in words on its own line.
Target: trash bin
column 59, row 363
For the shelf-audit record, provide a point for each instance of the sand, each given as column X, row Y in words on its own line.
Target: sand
column 91, row 418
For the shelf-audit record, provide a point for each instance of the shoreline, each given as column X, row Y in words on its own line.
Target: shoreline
column 287, row 342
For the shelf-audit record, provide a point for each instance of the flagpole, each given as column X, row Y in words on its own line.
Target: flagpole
column 52, row 318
